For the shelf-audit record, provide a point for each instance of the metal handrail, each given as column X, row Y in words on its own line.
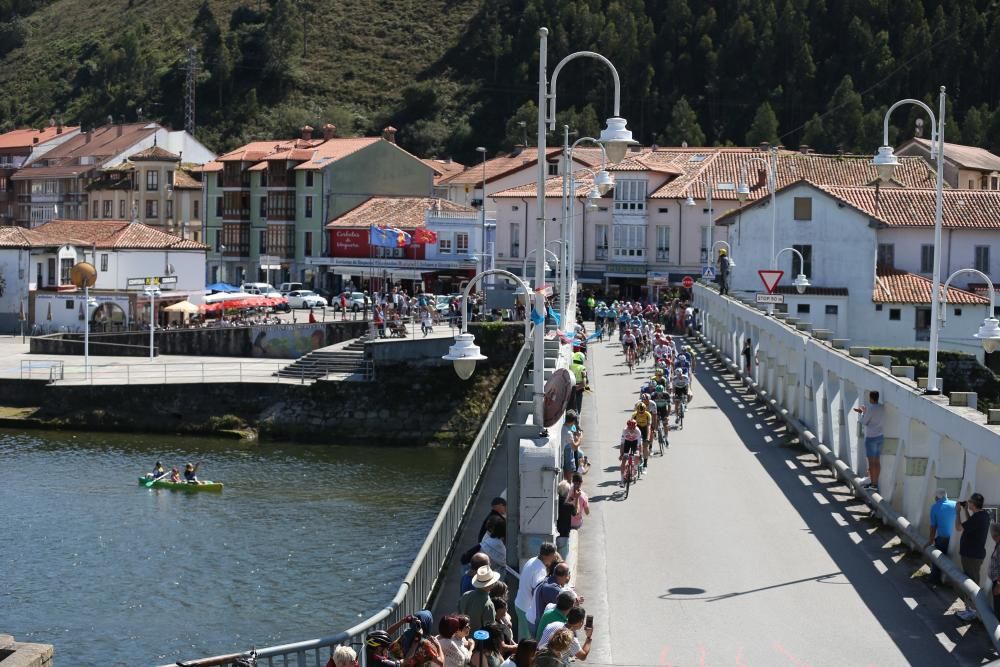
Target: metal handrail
column 422, row 578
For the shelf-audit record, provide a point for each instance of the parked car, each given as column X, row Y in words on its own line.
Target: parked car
column 305, row 298
column 355, row 301
column 261, row 289
column 285, row 288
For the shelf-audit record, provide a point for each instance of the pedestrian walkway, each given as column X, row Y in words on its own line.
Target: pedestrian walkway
column 738, row 549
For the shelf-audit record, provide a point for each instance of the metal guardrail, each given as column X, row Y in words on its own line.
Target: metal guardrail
column 422, row 578
column 147, row 373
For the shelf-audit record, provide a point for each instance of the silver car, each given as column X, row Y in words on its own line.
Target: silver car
column 305, row 298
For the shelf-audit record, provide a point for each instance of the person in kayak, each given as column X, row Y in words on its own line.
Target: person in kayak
column 191, row 473
column 175, row 475
column 158, row 471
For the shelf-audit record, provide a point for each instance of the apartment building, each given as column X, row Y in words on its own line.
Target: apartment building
column 18, row 148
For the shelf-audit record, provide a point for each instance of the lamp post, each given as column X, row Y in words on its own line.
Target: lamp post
column 989, row 332
column 545, row 264
column 711, row 217
column 482, row 215
column 152, row 293
column 222, row 260
column 743, row 192
column 616, row 139
column 801, row 282
column 885, row 162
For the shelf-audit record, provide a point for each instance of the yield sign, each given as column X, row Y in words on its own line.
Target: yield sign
column 770, row 278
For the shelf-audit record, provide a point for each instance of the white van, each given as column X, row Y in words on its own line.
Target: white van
column 257, row 288
column 285, row 288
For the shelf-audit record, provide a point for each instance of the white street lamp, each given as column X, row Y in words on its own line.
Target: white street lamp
column 482, row 213
column 885, row 163
column 989, row 332
column 729, row 252
column 743, row 191
column 152, row 293
column 800, row 282
column 709, row 187
column 546, row 267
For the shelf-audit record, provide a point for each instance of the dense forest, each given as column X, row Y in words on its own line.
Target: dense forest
column 452, row 75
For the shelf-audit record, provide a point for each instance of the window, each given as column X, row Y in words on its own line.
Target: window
column 926, row 258
column 706, row 242
column 218, row 180
column 309, row 179
column 994, row 182
column 515, row 239
column 309, row 205
column 803, row 208
column 65, row 266
column 515, row 207
column 121, row 209
column 170, row 179
column 444, row 245
column 109, row 208
column 972, row 184
column 958, row 312
column 262, row 241
column 196, row 209
column 152, row 180
column 461, row 243
column 834, row 309
column 630, row 196
column 38, row 273
column 52, row 271
column 922, row 323
column 104, row 261
column 807, row 255
column 218, row 207
column 69, row 304
column 97, row 209
column 663, row 243
column 629, row 241
column 218, row 240
column 886, row 255
column 600, row 241
column 152, row 208
column 894, row 314
column 170, row 209
column 553, row 168
column 309, row 242
column 263, row 207
column 661, row 210
column 802, row 309
column 263, row 178
column 982, row 259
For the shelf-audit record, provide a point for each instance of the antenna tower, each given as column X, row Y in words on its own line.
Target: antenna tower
column 191, row 68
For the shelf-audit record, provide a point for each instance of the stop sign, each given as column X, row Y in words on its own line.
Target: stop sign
column 688, row 282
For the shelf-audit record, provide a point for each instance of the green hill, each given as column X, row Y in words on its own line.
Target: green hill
column 454, row 74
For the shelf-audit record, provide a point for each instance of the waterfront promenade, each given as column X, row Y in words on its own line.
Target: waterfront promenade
column 738, row 549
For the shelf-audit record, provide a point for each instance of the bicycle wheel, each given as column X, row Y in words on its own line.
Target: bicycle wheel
column 659, row 436
column 628, row 476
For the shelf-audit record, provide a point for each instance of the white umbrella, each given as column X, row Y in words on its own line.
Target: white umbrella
column 183, row 307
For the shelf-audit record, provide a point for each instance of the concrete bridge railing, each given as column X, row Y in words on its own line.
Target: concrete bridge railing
column 814, row 385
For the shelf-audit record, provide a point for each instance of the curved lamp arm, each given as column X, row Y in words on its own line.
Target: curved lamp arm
column 729, row 248
column 943, row 293
column 802, row 261
column 885, row 121
column 745, row 171
column 555, row 75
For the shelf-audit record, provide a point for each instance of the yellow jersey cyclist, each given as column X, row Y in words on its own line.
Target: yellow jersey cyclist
column 644, row 421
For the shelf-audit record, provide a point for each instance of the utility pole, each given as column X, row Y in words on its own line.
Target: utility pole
column 192, row 66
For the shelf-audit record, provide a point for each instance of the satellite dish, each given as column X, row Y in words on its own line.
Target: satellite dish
column 170, row 269
column 83, row 274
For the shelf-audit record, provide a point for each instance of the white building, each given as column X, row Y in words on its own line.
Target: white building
column 842, row 234
column 967, row 167
column 35, row 266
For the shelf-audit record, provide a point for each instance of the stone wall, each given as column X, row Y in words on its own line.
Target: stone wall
column 20, row 654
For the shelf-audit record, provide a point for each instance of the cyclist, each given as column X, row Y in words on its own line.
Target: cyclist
column 629, row 445
column 662, row 401
column 681, row 384
column 629, row 345
column 377, row 649
column 662, row 351
column 623, row 323
column 644, row 420
column 688, row 352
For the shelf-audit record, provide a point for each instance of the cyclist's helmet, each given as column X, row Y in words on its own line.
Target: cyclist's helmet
column 644, row 397
column 378, row 639
column 659, row 389
column 631, row 423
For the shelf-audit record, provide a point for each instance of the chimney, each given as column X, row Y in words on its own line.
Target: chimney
column 329, row 131
column 59, row 128
column 761, row 179
column 120, row 131
column 804, row 149
column 307, row 132
column 518, row 149
column 34, row 140
column 389, row 134
column 89, row 135
column 763, row 146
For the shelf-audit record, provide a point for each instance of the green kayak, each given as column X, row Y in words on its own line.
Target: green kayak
column 182, row 486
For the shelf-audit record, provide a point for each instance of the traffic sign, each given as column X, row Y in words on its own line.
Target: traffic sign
column 770, row 278
column 708, row 272
column 688, row 282
column 770, row 298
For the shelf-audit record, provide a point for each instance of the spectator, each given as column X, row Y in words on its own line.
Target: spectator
column 344, row 656
column 494, row 543
column 748, row 358
column 578, row 368
column 576, row 618
column 415, row 646
column 873, row 419
column 487, row 650
column 456, row 646
column 498, row 508
column 548, row 592
column 972, row 548
column 580, row 501
column 525, row 653
column 942, row 520
column 564, row 518
column 377, row 649
column 564, row 603
column 533, row 573
column 723, row 274
column 478, row 560
column 571, row 438
column 507, row 645
column 555, row 653
column 476, row 604
column 994, row 569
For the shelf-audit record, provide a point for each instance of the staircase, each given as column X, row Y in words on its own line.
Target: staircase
column 344, row 361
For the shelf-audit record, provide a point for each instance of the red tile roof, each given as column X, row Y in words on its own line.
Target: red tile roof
column 183, row 180
column 27, row 138
column 400, row 212
column 811, row 290
column 100, row 144
column 154, row 154
column 968, row 157
column 504, row 165
column 911, row 207
column 443, row 168
column 17, row 237
column 892, row 286
column 113, row 234
column 553, row 187
column 337, row 149
column 209, row 167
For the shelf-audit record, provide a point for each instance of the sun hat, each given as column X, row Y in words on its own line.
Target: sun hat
column 485, row 577
column 940, row 493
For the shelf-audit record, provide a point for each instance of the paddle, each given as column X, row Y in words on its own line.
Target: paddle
column 149, row 484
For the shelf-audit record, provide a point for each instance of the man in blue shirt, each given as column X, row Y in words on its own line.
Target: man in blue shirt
column 942, row 516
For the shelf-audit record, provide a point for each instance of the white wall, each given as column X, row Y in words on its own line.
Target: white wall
column 958, row 250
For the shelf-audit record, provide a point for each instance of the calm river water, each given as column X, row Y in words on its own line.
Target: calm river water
column 303, row 542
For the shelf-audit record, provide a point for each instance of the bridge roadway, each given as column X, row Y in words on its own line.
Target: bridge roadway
column 737, row 549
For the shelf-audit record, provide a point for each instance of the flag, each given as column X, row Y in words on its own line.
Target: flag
column 554, row 315
column 380, row 238
column 423, row 235
column 400, row 238
column 594, row 336
column 536, row 318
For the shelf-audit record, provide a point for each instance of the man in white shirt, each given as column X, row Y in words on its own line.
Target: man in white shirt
column 873, row 419
column 575, row 620
column 533, row 573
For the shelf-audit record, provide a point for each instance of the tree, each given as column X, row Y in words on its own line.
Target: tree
column 514, row 133
column 814, row 134
column 977, row 120
column 764, row 128
column 845, row 112
column 683, row 126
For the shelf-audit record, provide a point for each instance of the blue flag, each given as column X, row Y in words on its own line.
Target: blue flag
column 594, row 336
column 536, row 318
column 554, row 315
column 380, row 238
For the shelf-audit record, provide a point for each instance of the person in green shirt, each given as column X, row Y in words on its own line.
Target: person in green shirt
column 476, row 604
column 560, row 612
